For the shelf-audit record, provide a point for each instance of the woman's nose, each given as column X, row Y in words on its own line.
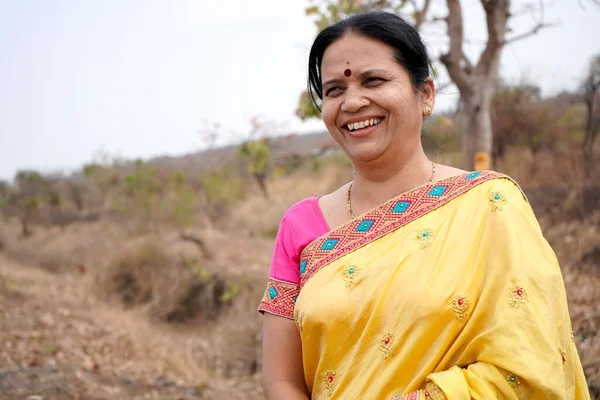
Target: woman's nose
column 354, row 101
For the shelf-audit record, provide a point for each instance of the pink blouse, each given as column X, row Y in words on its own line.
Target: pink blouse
column 301, row 224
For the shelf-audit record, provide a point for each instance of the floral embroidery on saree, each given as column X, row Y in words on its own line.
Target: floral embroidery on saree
column 386, row 345
column 433, row 392
column 513, row 380
column 349, row 275
column 329, row 381
column 424, row 237
column 563, row 355
column 386, row 218
column 298, row 321
column 460, row 305
column 518, row 296
column 497, row 200
column 409, row 396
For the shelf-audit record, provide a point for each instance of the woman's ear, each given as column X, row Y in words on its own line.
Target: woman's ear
column 428, row 94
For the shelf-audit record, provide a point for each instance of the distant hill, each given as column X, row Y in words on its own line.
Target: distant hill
column 300, row 144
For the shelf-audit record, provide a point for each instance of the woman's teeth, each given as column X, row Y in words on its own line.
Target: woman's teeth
column 363, row 124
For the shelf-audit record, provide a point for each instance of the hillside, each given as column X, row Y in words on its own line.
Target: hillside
column 123, row 307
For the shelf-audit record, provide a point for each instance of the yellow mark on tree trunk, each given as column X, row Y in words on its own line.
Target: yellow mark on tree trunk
column 482, row 161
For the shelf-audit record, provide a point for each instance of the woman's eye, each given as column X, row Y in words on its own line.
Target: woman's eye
column 333, row 91
column 373, row 79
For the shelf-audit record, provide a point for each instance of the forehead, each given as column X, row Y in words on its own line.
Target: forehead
column 357, row 53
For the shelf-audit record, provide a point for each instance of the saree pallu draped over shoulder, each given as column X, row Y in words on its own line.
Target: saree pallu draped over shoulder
column 448, row 291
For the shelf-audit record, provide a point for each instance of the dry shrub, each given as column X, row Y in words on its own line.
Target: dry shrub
column 576, row 242
column 259, row 217
column 562, row 166
column 236, row 339
column 78, row 248
column 171, row 289
column 236, row 351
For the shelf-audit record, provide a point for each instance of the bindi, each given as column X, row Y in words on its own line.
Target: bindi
column 348, row 72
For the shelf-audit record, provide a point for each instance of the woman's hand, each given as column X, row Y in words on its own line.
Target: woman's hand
column 283, row 373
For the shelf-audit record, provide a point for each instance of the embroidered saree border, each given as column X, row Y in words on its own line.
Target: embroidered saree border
column 386, row 218
column 279, row 298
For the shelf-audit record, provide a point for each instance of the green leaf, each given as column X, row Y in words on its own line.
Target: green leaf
column 312, row 10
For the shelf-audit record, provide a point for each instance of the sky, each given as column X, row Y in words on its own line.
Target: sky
column 137, row 79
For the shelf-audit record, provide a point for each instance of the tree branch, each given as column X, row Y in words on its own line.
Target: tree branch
column 496, row 13
column 455, row 53
column 437, row 19
column 525, row 35
column 468, row 63
column 420, row 15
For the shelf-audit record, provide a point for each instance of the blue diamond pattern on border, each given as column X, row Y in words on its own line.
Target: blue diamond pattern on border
column 438, row 191
column 365, row 225
column 473, row 175
column 294, row 298
column 273, row 293
column 401, row 206
column 303, row 267
column 329, row 244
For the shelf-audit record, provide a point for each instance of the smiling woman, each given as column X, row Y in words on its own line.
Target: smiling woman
column 415, row 280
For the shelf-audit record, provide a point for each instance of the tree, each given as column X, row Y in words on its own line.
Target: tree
column 475, row 81
column 513, row 108
column 75, row 193
column 142, row 190
column 25, row 201
column 256, row 151
column 257, row 154
column 3, row 191
column 184, row 202
column 591, row 97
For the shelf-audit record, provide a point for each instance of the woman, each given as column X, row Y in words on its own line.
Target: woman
column 415, row 280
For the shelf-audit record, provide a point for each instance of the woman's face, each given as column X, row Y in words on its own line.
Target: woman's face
column 362, row 81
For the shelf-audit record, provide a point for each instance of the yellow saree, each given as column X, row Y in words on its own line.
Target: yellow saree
column 446, row 291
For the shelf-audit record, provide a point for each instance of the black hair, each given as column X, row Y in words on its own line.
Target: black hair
column 391, row 29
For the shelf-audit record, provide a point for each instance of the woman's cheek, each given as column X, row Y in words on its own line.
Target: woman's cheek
column 328, row 115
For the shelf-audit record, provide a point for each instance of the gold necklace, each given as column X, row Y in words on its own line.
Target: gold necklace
column 349, row 201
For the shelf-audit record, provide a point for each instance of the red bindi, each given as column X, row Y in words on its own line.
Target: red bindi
column 348, row 72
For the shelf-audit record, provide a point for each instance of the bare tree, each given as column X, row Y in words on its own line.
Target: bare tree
column 476, row 82
column 591, row 97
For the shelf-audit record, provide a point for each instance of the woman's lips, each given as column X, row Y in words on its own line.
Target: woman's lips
column 363, row 131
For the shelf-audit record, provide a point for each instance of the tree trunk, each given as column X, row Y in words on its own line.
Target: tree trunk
column 477, row 130
column 262, row 182
column 588, row 154
column 476, row 82
column 25, row 232
column 588, row 141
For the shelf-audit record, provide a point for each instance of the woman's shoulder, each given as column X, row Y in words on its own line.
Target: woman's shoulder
column 305, row 215
column 301, row 208
column 497, row 189
column 498, row 179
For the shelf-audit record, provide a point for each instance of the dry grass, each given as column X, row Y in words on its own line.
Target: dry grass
column 192, row 316
column 255, row 215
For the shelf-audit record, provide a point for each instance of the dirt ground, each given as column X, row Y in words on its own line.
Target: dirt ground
column 60, row 341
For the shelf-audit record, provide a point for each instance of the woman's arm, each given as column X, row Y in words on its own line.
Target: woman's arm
column 283, row 374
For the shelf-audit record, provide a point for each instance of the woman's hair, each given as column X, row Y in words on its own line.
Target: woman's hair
column 389, row 28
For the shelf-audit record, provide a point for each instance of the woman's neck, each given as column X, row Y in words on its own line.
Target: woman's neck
column 375, row 183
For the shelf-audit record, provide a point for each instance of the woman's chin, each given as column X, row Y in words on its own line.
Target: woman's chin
column 364, row 152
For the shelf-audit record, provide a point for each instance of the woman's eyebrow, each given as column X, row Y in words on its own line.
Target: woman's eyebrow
column 370, row 72
column 333, row 81
column 363, row 74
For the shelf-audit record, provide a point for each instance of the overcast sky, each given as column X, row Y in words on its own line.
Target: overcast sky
column 142, row 78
